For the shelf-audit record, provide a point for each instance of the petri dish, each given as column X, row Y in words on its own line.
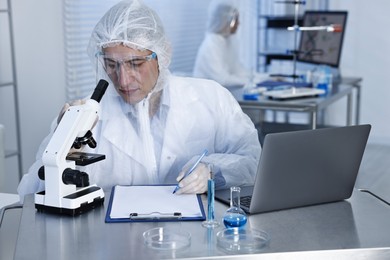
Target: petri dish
column 163, row 238
column 242, row 240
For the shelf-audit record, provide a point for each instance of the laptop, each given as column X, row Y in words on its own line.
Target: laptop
column 303, row 168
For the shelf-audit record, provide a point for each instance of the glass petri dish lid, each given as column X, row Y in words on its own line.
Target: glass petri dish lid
column 242, row 240
column 163, row 238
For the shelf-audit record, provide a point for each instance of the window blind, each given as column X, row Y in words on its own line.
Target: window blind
column 185, row 26
column 80, row 17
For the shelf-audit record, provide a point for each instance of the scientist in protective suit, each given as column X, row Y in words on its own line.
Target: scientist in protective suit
column 154, row 125
column 217, row 56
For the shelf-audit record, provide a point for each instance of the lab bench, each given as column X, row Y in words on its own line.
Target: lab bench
column 356, row 228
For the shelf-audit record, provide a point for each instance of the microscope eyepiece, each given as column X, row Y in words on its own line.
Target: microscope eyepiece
column 99, row 90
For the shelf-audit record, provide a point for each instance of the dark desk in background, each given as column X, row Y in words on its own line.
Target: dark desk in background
column 354, row 229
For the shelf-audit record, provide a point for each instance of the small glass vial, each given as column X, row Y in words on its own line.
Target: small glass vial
column 234, row 217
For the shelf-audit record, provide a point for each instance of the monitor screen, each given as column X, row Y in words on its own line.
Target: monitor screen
column 322, row 47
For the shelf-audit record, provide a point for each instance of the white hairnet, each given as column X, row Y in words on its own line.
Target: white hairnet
column 220, row 17
column 134, row 25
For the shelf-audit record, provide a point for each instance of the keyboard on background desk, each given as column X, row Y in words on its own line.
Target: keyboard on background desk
column 281, row 90
column 293, row 92
column 274, row 84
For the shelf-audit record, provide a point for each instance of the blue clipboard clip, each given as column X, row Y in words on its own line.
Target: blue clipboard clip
column 155, row 216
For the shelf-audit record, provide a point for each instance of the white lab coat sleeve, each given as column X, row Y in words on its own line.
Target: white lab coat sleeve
column 30, row 182
column 237, row 146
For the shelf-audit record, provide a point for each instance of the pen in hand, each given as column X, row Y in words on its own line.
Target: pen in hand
column 190, row 170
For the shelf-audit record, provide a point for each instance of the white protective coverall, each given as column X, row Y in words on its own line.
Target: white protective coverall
column 217, row 56
column 216, row 60
column 192, row 115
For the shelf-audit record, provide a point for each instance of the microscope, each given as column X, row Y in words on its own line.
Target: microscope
column 67, row 190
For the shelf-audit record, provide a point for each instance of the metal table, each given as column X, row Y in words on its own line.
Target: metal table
column 312, row 105
column 353, row 229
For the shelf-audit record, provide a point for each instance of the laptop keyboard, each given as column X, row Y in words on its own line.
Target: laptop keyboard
column 246, row 201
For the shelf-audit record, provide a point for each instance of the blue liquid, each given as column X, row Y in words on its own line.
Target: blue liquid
column 233, row 220
column 210, row 199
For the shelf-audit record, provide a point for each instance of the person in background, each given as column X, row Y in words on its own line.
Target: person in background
column 153, row 125
column 218, row 57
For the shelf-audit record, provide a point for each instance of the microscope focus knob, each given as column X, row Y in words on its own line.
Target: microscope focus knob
column 41, row 173
column 76, row 177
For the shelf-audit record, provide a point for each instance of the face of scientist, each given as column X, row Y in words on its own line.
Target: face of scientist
column 133, row 72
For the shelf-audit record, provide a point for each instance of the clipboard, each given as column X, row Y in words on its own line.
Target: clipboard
column 152, row 203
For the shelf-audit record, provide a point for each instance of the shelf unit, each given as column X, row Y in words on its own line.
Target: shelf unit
column 7, row 11
column 273, row 23
column 273, row 18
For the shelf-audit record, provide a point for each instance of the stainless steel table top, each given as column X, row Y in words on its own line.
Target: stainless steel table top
column 356, row 228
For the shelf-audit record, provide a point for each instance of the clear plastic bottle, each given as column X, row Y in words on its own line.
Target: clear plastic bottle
column 234, row 216
column 324, row 78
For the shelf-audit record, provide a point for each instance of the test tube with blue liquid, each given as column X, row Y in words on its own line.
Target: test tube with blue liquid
column 210, row 222
column 234, row 216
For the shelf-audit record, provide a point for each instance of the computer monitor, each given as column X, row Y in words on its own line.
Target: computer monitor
column 322, row 47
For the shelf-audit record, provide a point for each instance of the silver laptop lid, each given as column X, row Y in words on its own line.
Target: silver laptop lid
column 308, row 167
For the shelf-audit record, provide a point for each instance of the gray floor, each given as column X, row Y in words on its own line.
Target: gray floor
column 375, row 163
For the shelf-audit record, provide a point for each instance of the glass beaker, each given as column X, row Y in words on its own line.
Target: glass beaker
column 234, row 216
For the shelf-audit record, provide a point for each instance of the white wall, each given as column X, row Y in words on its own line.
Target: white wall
column 38, row 34
column 365, row 54
column 40, row 69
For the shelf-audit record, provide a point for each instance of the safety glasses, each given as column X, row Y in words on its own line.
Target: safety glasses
column 113, row 64
column 234, row 20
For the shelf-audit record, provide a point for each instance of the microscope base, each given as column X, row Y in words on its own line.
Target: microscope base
column 76, row 203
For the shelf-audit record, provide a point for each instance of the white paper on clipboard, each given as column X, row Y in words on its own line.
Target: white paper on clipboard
column 149, row 199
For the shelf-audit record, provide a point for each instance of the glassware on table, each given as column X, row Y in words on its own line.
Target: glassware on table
column 210, row 222
column 167, row 238
column 242, row 240
column 234, row 216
